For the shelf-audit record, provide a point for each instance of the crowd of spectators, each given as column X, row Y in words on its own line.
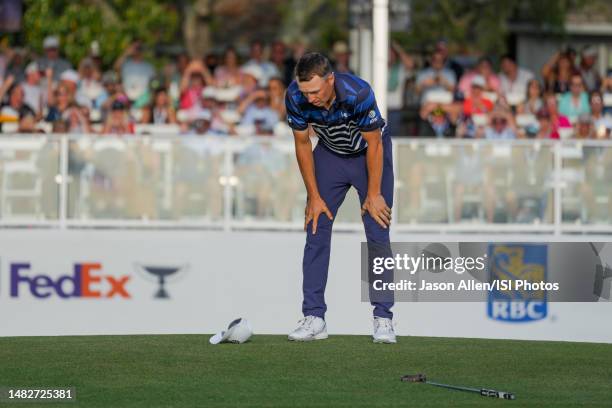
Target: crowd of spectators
column 224, row 95
column 233, row 94
column 571, row 100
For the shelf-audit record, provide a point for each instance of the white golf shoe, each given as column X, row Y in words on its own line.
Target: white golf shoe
column 309, row 328
column 383, row 330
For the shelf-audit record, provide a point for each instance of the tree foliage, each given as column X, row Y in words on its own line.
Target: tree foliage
column 113, row 23
column 481, row 25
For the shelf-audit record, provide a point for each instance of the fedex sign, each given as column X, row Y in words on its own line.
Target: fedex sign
column 87, row 281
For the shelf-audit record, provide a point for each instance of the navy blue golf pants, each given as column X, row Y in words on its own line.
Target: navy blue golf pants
column 335, row 174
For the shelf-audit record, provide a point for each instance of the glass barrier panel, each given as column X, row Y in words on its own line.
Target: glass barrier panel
column 586, row 196
column 473, row 182
column 266, row 182
column 29, row 175
column 145, row 178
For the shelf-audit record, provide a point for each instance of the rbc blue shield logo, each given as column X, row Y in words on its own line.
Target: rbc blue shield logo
column 514, row 262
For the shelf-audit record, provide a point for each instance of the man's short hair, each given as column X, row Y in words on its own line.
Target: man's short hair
column 311, row 64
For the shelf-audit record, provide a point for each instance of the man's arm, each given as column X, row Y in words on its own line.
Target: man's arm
column 375, row 203
column 315, row 204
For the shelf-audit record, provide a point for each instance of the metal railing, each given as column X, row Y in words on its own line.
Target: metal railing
column 532, row 186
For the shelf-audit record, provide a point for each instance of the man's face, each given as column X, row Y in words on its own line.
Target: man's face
column 278, row 51
column 596, row 103
column 589, row 60
column 576, row 85
column 318, row 90
column 507, row 66
column 51, row 53
column 499, row 123
column 437, row 61
column 476, row 91
column 256, row 51
column 33, row 77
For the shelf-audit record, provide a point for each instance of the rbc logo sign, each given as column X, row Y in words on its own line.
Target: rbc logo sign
column 86, row 282
column 517, row 262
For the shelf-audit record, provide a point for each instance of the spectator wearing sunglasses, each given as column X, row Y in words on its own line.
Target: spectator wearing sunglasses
column 575, row 102
column 501, row 126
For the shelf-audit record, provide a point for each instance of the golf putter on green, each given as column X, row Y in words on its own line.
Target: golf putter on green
column 421, row 378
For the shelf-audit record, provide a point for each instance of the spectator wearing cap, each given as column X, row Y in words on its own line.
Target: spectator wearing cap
column 251, row 78
column 557, row 72
column 575, row 102
column 512, row 78
column 70, row 79
column 136, row 73
column 268, row 69
column 588, row 70
column 533, row 100
column 90, row 90
column 35, row 94
column 52, row 58
column 602, row 123
column 228, row 74
column 501, row 126
column 118, row 121
column 212, row 109
column 557, row 119
column 195, row 78
column 476, row 102
column 160, row 110
column 435, row 78
column 342, row 57
column 484, row 68
column 201, row 123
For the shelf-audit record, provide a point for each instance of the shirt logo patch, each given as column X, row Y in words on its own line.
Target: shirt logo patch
column 372, row 114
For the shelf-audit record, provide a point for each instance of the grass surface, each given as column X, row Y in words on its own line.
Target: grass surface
column 269, row 371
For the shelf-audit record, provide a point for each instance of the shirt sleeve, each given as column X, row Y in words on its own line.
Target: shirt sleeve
column 295, row 117
column 367, row 114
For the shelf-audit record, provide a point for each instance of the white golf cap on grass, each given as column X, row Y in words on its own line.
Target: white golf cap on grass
column 238, row 331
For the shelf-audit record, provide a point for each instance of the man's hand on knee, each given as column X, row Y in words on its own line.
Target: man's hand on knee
column 378, row 210
column 315, row 207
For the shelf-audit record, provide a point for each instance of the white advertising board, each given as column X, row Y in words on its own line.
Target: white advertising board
column 85, row 282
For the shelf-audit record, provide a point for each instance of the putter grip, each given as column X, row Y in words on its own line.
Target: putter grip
column 497, row 394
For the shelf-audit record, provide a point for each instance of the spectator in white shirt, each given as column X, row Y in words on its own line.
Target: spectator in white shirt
column 34, row 92
column 514, row 79
column 52, row 58
column 435, row 78
column 136, row 73
column 268, row 69
column 588, row 69
column 501, row 126
column 90, row 90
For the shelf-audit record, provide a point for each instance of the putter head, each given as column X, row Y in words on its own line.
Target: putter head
column 420, row 377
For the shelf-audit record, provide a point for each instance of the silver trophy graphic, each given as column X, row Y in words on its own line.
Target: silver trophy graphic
column 162, row 274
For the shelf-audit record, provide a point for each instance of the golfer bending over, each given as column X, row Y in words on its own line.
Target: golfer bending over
column 353, row 150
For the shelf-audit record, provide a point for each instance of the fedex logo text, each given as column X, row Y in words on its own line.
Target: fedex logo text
column 85, row 282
